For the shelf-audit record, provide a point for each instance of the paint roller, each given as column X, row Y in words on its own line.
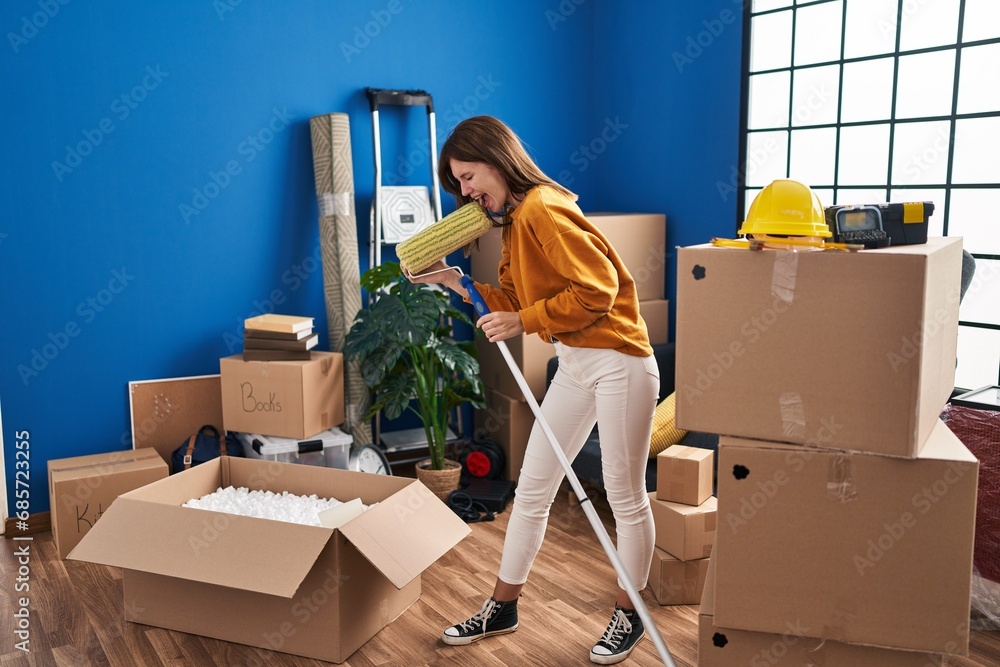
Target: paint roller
column 436, row 242
column 444, row 237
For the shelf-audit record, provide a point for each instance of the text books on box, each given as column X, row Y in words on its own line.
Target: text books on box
column 846, row 507
column 272, row 337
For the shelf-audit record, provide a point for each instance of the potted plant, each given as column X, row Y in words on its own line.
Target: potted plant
column 407, row 355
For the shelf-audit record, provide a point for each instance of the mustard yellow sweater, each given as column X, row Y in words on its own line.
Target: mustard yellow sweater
column 560, row 273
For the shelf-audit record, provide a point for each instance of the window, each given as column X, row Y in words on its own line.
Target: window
column 886, row 100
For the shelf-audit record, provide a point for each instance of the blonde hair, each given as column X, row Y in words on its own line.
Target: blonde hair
column 488, row 140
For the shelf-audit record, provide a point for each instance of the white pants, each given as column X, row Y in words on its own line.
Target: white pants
column 618, row 392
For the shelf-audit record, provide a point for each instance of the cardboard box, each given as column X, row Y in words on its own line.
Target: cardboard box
column 858, row 547
column 166, row 412
column 725, row 647
column 531, row 354
column 685, row 474
column 641, row 241
column 847, row 350
column 675, row 581
column 306, row 590
column 656, row 315
column 288, row 399
column 508, row 421
column 686, row 532
column 82, row 488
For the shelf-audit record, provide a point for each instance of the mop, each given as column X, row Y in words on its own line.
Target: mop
column 436, row 242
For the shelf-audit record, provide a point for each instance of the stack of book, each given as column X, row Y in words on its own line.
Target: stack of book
column 273, row 337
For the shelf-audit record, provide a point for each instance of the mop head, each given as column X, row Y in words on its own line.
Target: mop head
column 443, row 237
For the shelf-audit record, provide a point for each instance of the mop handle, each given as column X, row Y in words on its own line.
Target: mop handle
column 588, row 508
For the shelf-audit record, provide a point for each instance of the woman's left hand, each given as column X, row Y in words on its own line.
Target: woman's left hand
column 500, row 325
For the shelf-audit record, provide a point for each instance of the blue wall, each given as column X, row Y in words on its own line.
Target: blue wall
column 121, row 119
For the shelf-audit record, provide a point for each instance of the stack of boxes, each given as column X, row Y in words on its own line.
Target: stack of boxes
column 684, row 513
column 640, row 240
column 846, row 507
column 301, row 400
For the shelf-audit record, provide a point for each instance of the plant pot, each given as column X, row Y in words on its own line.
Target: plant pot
column 440, row 482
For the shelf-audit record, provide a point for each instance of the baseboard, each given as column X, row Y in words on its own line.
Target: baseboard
column 37, row 523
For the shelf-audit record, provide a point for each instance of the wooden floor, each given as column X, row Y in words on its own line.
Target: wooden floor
column 76, row 613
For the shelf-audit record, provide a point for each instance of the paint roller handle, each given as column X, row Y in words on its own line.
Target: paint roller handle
column 475, row 296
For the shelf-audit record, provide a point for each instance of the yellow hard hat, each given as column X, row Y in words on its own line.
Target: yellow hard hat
column 786, row 208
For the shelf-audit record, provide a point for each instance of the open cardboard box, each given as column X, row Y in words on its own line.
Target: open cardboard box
column 310, row 591
column 854, row 546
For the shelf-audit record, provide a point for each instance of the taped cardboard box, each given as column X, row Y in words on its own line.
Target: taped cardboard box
column 686, row 532
column 305, row 590
column 725, row 647
column 288, row 399
column 675, row 581
column 82, row 488
column 508, row 421
column 844, row 350
column 857, row 547
column 685, row 474
column 531, row 354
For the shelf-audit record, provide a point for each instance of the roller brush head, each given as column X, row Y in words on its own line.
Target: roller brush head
column 444, row 237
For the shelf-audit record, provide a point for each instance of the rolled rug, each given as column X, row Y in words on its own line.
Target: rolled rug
column 338, row 237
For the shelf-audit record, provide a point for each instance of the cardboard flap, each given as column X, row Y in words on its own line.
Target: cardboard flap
column 406, row 533
column 222, row 549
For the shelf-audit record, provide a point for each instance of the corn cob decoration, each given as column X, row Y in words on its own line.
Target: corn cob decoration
column 444, row 237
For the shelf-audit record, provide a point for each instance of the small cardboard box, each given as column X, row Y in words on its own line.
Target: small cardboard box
column 82, row 488
column 852, row 351
column 641, row 241
column 686, row 532
column 656, row 314
column 675, row 581
column 306, row 590
column 508, row 421
column 858, row 547
column 793, row 647
column 684, row 474
column 288, row 399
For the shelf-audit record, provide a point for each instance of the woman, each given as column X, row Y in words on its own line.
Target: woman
column 561, row 279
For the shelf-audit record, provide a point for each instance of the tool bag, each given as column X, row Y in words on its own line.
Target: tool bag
column 203, row 446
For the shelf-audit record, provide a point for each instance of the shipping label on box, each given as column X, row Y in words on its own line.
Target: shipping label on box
column 675, row 581
column 686, row 532
column 289, row 399
column 843, row 350
column 308, row 590
column 685, row 474
column 861, row 548
column 82, row 488
column 793, row 647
